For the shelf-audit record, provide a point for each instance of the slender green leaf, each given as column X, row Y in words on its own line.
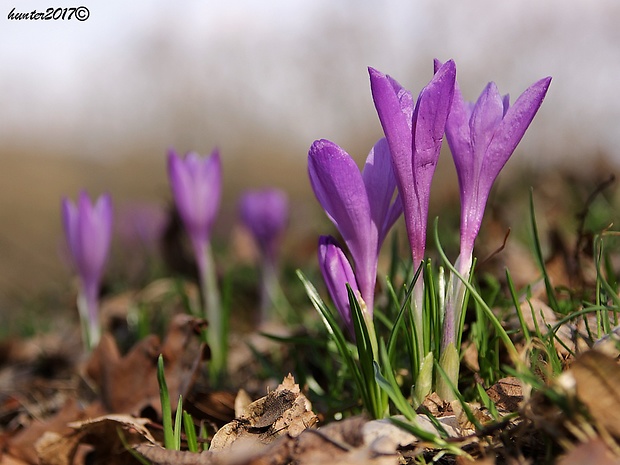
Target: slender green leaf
column 166, row 409
column 190, row 432
column 515, row 300
column 178, row 424
column 553, row 303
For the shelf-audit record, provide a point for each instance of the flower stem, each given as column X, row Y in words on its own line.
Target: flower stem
column 268, row 290
column 450, row 342
column 212, row 311
column 88, row 308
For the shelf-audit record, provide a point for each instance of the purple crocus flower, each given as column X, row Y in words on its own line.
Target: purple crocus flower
column 414, row 135
column 196, row 184
column 359, row 204
column 88, row 229
column 482, row 136
column 337, row 273
column 265, row 214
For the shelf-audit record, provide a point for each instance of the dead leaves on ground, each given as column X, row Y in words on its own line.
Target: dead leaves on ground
column 129, row 384
column 122, row 385
column 280, row 427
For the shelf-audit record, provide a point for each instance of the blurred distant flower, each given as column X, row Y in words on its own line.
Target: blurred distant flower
column 359, row 204
column 196, row 184
column 88, row 229
column 337, row 273
column 265, row 214
column 140, row 228
column 414, row 135
column 141, row 225
column 482, row 136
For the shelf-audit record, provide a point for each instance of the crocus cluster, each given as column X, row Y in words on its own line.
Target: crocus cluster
column 265, row 214
column 481, row 136
column 361, row 206
column 88, row 230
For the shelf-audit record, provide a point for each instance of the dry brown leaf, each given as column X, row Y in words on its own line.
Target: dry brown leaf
column 597, row 384
column 157, row 455
column 593, row 452
column 129, row 384
column 385, row 438
column 20, row 446
column 343, row 443
column 339, row 442
column 213, row 406
column 283, row 411
column 6, row 459
column 506, row 394
column 102, row 433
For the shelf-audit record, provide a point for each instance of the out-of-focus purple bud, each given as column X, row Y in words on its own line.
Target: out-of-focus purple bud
column 88, row 229
column 265, row 214
column 196, row 184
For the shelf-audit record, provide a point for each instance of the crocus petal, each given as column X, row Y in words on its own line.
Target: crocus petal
column 337, row 273
column 94, row 235
column 432, row 108
column 396, row 122
column 512, row 128
column 380, row 183
column 339, row 187
column 485, row 118
column 69, row 221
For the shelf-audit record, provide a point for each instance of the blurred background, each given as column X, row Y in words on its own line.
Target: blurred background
column 96, row 104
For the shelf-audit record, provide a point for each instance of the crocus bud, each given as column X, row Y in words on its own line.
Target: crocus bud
column 359, row 203
column 337, row 273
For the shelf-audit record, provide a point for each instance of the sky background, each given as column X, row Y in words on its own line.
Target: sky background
column 96, row 104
